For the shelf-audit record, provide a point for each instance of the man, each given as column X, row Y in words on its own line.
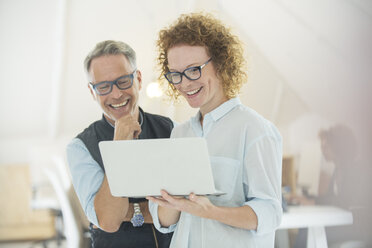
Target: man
column 114, row 83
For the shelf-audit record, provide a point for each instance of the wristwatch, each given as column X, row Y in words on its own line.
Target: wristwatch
column 137, row 219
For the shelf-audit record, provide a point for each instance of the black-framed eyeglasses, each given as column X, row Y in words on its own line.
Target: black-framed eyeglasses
column 105, row 87
column 191, row 73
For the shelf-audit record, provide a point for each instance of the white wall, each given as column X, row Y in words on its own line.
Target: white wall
column 32, row 40
column 26, row 64
column 300, row 55
column 320, row 48
column 27, row 31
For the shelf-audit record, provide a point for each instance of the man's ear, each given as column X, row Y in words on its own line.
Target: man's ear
column 139, row 79
column 93, row 93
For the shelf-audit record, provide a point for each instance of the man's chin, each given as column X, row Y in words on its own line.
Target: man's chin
column 114, row 115
column 117, row 117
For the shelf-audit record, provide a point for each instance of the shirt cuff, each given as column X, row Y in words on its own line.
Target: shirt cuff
column 269, row 215
column 153, row 207
column 91, row 213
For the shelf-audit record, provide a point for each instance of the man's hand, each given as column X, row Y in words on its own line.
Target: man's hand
column 127, row 128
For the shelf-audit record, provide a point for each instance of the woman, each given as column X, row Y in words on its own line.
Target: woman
column 203, row 62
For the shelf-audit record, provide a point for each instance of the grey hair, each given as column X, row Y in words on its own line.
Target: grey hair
column 111, row 47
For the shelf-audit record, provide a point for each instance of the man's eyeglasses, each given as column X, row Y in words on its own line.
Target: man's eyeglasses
column 105, row 87
column 191, row 73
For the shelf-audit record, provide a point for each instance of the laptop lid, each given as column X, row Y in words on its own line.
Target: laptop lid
column 140, row 168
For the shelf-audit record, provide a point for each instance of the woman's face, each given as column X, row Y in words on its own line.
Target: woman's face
column 206, row 92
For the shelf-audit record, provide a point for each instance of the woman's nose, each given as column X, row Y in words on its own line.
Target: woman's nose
column 185, row 82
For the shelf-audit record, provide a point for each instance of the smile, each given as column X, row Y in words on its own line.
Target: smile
column 120, row 104
column 190, row 93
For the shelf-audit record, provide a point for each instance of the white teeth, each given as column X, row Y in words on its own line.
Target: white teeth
column 120, row 104
column 193, row 92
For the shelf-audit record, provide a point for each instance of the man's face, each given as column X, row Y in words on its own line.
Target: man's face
column 118, row 103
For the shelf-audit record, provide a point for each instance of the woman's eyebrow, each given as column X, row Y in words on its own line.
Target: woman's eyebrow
column 187, row 67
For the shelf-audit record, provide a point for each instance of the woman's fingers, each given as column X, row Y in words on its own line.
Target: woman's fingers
column 165, row 200
column 167, row 197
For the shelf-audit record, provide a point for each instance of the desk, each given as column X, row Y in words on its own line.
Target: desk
column 315, row 218
column 17, row 220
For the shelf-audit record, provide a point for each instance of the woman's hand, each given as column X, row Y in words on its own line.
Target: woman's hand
column 195, row 205
column 171, row 206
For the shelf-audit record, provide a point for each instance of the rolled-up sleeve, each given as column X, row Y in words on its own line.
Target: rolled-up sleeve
column 87, row 176
column 262, row 181
column 153, row 207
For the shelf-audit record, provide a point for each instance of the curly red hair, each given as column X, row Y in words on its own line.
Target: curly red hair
column 224, row 48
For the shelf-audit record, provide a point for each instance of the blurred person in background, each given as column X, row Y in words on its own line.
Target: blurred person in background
column 345, row 186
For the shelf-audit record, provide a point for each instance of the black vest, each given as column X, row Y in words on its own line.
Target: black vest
column 153, row 127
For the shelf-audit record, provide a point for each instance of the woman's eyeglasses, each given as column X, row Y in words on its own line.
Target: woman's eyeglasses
column 191, row 73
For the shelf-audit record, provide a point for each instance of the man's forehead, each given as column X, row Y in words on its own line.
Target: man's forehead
column 109, row 67
column 118, row 60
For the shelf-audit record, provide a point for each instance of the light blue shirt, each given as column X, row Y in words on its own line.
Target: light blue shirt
column 246, row 158
column 87, row 176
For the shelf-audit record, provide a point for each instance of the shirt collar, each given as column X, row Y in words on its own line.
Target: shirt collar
column 222, row 110
column 215, row 114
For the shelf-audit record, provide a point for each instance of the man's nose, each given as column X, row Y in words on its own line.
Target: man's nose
column 116, row 92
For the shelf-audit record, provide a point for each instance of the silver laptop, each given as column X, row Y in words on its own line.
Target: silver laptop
column 139, row 168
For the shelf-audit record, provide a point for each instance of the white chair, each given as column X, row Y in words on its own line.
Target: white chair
column 62, row 170
column 71, row 228
column 73, row 225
